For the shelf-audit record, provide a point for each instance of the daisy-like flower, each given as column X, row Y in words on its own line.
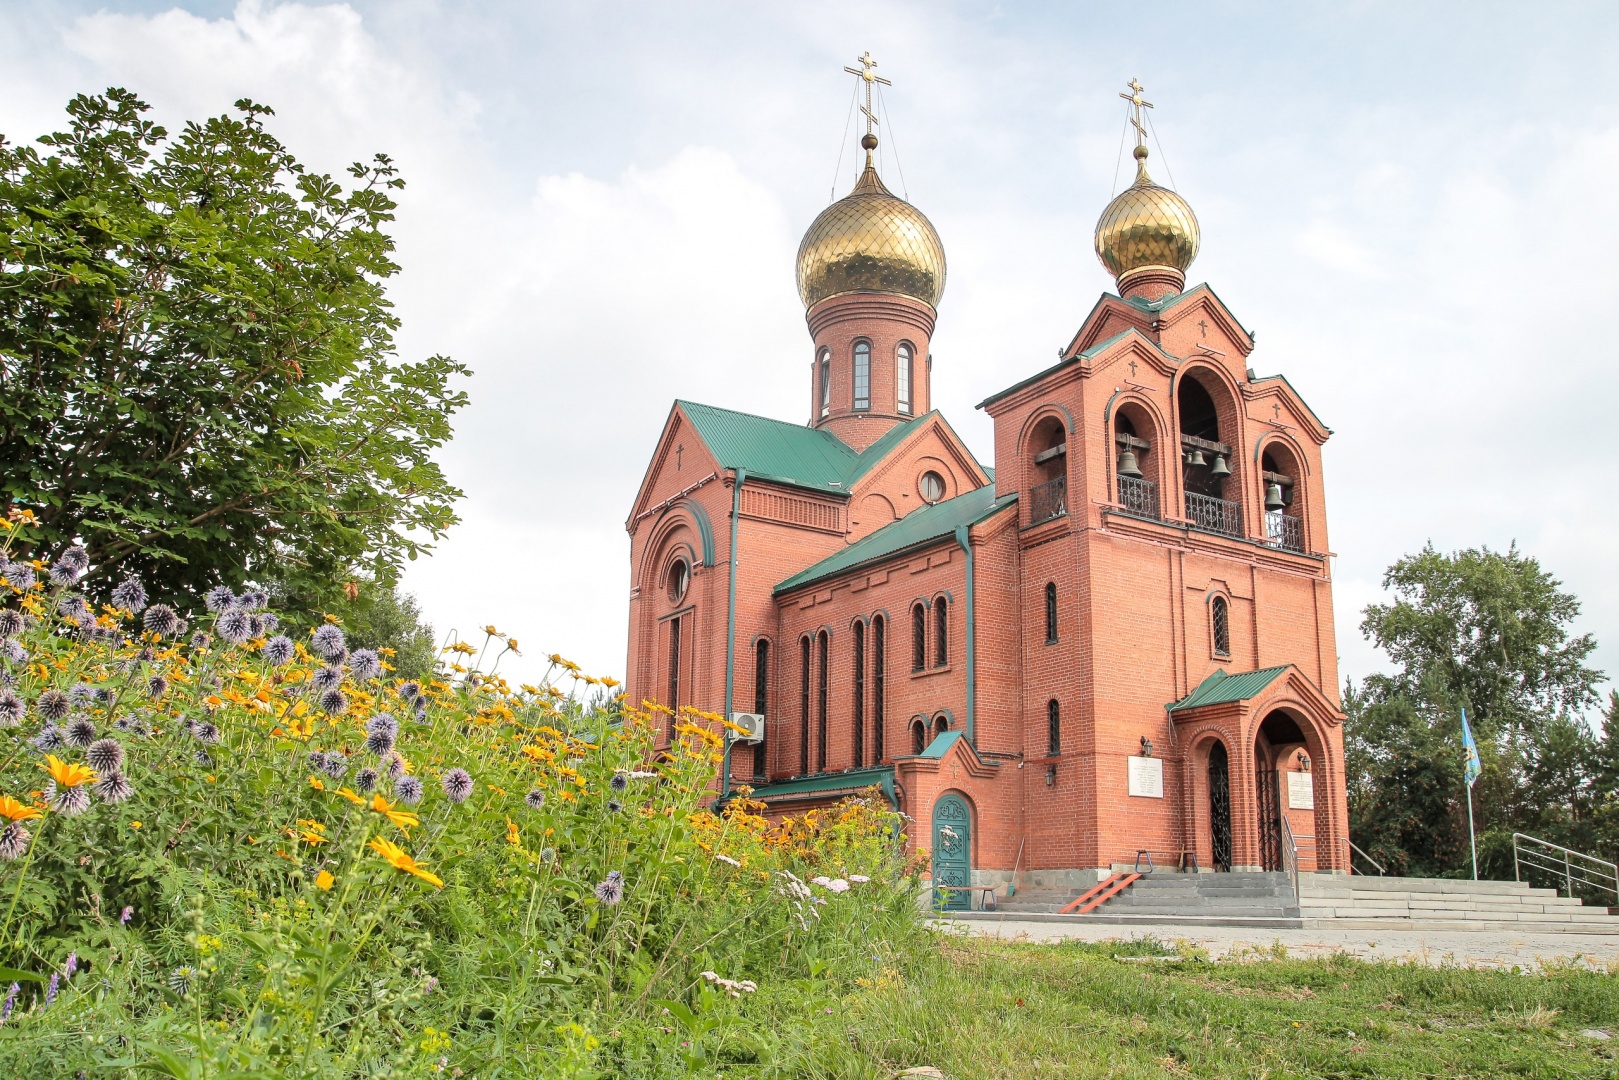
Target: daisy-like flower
column 365, row 781
column 235, row 626
column 457, row 784
column 327, row 677
column 157, row 686
column 402, row 818
column 278, row 650
column 219, row 598
column 365, row 664
column 65, row 774
column 327, row 642
column 161, row 620
column 53, row 704
column 105, row 755
column 535, row 799
column 12, row 709
column 334, row 701
column 14, row 840
column 611, row 890
column 11, row 623
column 619, row 782
column 408, row 790
column 81, row 731
column 400, row 860
column 17, row 810
column 113, row 788
column 130, row 594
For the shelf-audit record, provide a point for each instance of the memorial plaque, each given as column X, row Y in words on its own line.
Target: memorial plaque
column 1300, row 791
column 1147, row 777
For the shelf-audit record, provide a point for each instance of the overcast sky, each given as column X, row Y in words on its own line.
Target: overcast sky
column 1414, row 205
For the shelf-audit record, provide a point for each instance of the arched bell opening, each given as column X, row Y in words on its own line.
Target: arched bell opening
column 1047, row 452
column 1207, row 424
column 1138, row 463
column 1282, row 488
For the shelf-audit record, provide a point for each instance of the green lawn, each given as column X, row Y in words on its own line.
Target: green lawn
column 976, row 1008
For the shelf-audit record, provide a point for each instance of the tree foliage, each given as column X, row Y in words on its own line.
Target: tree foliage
column 197, row 370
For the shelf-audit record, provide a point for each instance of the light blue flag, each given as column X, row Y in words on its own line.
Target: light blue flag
column 1473, row 765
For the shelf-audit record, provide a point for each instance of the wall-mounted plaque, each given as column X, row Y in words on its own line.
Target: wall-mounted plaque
column 1300, row 791
column 1147, row 777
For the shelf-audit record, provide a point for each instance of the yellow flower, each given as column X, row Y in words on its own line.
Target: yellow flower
column 312, row 838
column 314, row 782
column 17, row 811
column 67, row 775
column 491, row 631
column 323, row 880
column 402, row 818
column 399, row 859
column 351, row 796
column 511, row 832
column 134, row 824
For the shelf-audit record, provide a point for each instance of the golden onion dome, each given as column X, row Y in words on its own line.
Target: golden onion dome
column 1146, row 227
column 871, row 240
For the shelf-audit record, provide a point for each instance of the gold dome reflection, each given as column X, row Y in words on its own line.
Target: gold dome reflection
column 871, row 241
column 1146, row 226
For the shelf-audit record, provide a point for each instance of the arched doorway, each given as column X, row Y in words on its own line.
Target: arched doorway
column 1219, row 807
column 952, row 853
column 1278, row 736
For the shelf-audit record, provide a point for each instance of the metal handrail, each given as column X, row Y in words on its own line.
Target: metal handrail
column 1290, row 858
column 1357, row 851
column 1572, row 866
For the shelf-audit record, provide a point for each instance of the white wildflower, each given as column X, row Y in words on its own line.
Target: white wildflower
column 858, row 879
column 726, row 859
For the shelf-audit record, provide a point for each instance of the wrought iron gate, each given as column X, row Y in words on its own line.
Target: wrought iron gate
column 1220, row 806
column 1268, row 784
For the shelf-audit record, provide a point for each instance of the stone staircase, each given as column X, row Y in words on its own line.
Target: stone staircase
column 1200, row 899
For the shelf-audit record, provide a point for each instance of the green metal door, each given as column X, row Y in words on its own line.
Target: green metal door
column 952, row 853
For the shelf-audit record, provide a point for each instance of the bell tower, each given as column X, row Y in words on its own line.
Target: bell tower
column 871, row 270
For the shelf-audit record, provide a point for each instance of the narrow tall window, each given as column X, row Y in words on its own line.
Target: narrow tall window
column 941, row 632
column 804, row 709
column 761, row 700
column 1051, row 613
column 862, row 375
column 1220, row 617
column 919, row 638
column 674, row 675
column 902, row 378
column 820, row 704
column 919, row 736
column 826, row 383
column 879, row 627
column 1053, row 728
column 859, row 693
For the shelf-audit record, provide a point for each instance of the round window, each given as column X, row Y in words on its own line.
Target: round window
column 932, row 486
column 679, row 578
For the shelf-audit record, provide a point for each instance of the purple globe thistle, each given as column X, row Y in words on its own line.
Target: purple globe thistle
column 619, row 782
column 257, row 626
column 408, row 789
column 383, row 722
column 395, row 766
column 235, row 626
column 63, row 574
column 535, row 799
column 74, row 607
column 14, row 839
column 202, row 757
column 254, row 600
column 76, row 557
column 327, row 642
column 206, row 732
column 114, row 788
column 317, row 761
column 53, row 704
column 327, row 677
column 48, row 739
column 161, row 620
column 201, row 640
column 12, row 623
column 13, row 651
column 157, row 686
column 365, row 781
column 365, row 664
column 410, row 691
column 219, row 598
column 130, row 594
column 269, row 621
column 334, row 701
column 71, row 801
column 12, row 709
column 611, row 890
column 21, row 575
column 380, row 743
column 335, row 764
column 614, row 806
column 457, row 784
column 105, row 756
column 279, row 650
column 80, row 731
column 82, row 693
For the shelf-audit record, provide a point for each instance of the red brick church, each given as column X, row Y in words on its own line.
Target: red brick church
column 1116, row 640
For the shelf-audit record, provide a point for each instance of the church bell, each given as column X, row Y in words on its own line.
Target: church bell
column 1128, row 465
column 1273, row 497
column 1220, row 467
column 1198, row 458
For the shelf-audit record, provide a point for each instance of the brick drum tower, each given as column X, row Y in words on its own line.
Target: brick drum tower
column 1117, row 642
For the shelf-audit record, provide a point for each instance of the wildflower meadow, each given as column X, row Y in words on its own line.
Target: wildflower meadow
column 233, row 848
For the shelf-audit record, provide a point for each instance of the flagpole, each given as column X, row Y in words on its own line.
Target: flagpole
column 1470, row 773
column 1471, row 838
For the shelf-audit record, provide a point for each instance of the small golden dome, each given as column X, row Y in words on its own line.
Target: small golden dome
column 871, row 241
column 1146, row 227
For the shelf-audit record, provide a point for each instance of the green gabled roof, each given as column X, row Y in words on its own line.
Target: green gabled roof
column 772, row 449
column 941, row 744
column 1221, row 689
column 924, row 526
column 891, row 438
column 853, row 779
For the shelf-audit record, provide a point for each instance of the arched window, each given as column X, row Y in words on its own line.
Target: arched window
column 919, row 736
column 941, row 724
column 862, row 375
column 879, row 627
column 674, row 676
column 820, row 702
column 1284, row 513
column 1220, row 623
column 902, row 378
column 1053, row 728
column 859, row 693
column 941, row 631
column 804, row 708
column 761, row 699
column 919, row 638
column 1048, row 449
column 1051, row 613
column 826, row 382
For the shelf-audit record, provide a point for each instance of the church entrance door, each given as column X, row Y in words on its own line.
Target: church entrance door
column 952, row 853
column 1267, row 784
column 1220, row 807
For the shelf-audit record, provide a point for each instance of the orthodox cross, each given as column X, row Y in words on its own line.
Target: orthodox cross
column 1203, row 325
column 869, row 75
column 681, row 449
column 1276, row 407
column 1136, row 105
column 1132, row 369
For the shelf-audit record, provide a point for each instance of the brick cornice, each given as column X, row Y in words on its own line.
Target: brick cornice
column 836, row 309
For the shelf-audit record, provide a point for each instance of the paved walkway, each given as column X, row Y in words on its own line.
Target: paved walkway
column 1436, row 948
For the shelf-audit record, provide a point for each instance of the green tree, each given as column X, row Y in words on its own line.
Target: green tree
column 374, row 615
column 197, row 371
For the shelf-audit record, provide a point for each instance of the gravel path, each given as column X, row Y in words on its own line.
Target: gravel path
column 1436, row 948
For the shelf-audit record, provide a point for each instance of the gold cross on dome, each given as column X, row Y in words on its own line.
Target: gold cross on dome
column 1137, row 103
column 869, row 76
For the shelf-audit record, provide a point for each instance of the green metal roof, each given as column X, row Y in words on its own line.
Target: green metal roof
column 1221, row 689
column 924, row 526
column 941, row 744
column 879, row 449
column 855, row 779
column 772, row 449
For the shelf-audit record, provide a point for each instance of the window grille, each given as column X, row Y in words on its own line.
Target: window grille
column 820, row 705
column 804, row 710
column 941, row 628
column 879, row 627
column 1051, row 613
column 1220, row 616
column 919, row 638
column 1053, row 728
column 859, row 693
column 674, row 675
column 761, row 699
